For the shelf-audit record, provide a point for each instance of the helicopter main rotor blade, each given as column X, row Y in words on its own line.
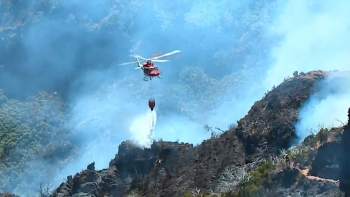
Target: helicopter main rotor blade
column 127, row 63
column 166, row 54
column 138, row 56
column 160, row 60
column 154, row 59
column 135, row 62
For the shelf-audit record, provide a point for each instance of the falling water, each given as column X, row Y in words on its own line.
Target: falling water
column 142, row 129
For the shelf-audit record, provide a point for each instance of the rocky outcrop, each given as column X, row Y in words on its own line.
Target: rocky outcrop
column 286, row 177
column 156, row 170
column 133, row 168
column 326, row 163
column 91, row 183
column 165, row 169
column 345, row 160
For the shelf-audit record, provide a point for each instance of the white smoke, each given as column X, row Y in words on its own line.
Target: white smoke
column 326, row 108
column 142, row 129
column 315, row 37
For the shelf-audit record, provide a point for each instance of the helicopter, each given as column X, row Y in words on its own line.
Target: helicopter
column 146, row 64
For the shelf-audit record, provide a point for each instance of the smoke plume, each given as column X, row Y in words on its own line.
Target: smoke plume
column 314, row 37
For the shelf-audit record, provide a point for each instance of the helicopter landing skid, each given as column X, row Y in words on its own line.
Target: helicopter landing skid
column 150, row 78
column 147, row 79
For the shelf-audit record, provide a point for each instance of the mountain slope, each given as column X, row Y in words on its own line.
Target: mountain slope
column 257, row 139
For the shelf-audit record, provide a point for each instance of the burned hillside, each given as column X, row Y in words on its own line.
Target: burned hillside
column 253, row 145
column 269, row 124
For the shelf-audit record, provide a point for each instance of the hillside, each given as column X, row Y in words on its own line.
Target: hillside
column 244, row 161
column 33, row 137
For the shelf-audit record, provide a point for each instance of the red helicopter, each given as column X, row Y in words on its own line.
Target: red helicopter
column 149, row 69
